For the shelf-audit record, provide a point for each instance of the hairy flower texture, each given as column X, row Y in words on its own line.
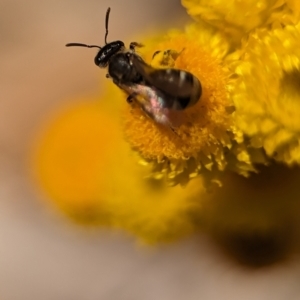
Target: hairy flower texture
column 237, row 18
column 83, row 164
column 267, row 92
column 286, row 12
column 206, row 134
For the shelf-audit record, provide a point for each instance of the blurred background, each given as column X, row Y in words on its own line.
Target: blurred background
column 42, row 255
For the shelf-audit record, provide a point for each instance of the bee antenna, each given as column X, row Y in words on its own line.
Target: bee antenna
column 82, row 45
column 106, row 24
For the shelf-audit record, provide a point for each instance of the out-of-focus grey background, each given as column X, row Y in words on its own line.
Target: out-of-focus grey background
column 42, row 256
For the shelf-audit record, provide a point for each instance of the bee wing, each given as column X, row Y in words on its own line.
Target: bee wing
column 144, row 95
column 174, row 82
column 149, row 100
column 132, row 91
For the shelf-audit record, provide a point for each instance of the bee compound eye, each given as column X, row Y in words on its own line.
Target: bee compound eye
column 97, row 60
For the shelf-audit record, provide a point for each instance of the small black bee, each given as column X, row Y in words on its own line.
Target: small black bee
column 157, row 91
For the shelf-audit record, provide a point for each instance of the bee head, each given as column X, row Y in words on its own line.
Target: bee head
column 105, row 53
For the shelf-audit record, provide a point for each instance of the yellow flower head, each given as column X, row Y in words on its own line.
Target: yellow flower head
column 206, row 130
column 267, row 92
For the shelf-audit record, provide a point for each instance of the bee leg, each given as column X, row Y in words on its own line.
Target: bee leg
column 131, row 97
column 107, row 76
column 135, row 44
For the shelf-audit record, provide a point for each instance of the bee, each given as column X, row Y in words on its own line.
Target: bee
column 162, row 91
column 158, row 91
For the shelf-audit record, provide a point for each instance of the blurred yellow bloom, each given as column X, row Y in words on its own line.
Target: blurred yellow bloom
column 83, row 163
column 73, row 154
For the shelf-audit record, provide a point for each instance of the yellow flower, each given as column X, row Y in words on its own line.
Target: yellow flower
column 248, row 114
column 207, row 135
column 82, row 162
column 267, row 93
